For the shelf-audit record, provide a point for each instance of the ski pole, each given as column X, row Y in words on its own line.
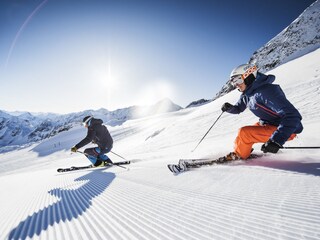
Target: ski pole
column 110, row 151
column 82, row 153
column 119, row 156
column 112, row 163
column 207, row 132
column 300, row 147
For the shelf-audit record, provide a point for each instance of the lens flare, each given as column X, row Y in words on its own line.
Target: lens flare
column 23, row 26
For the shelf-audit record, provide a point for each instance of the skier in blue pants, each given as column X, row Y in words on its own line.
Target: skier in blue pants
column 98, row 134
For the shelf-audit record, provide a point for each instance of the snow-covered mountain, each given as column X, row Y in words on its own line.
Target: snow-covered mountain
column 273, row 197
column 198, row 103
column 23, row 128
column 300, row 37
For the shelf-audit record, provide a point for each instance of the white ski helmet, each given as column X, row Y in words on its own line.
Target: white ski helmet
column 242, row 72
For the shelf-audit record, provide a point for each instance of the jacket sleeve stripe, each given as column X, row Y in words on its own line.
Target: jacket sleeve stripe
column 268, row 110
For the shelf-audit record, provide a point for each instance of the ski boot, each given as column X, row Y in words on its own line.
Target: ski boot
column 101, row 162
column 229, row 157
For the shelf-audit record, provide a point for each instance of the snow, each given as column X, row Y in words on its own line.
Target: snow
column 274, row 197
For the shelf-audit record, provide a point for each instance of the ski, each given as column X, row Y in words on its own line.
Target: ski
column 73, row 168
column 185, row 164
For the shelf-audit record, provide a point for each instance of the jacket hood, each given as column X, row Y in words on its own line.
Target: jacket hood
column 95, row 121
column 261, row 80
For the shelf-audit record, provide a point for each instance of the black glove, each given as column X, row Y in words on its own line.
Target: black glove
column 271, row 147
column 226, row 106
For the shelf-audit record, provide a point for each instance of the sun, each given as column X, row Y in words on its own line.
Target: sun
column 104, row 76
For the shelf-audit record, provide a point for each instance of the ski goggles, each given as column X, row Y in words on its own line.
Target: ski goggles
column 236, row 80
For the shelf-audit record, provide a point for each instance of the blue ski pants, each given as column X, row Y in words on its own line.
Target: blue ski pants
column 97, row 153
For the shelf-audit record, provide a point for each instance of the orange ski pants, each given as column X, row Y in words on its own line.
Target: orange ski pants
column 249, row 135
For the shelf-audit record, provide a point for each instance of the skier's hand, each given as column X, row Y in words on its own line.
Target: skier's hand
column 226, row 106
column 74, row 149
column 271, row 147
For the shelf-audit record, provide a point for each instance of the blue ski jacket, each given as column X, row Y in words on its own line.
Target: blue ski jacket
column 268, row 102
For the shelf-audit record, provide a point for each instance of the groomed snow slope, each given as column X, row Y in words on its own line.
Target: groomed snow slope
column 275, row 197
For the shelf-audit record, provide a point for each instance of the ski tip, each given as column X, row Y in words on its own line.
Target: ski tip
column 174, row 168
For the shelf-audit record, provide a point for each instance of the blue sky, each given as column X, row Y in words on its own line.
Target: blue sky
column 72, row 55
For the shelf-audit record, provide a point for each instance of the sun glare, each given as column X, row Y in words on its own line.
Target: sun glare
column 154, row 92
column 104, row 77
column 151, row 95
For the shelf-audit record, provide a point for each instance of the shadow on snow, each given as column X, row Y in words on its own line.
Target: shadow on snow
column 71, row 205
column 310, row 168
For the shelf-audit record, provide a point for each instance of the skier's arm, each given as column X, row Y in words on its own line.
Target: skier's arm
column 239, row 107
column 90, row 136
column 289, row 123
column 290, row 117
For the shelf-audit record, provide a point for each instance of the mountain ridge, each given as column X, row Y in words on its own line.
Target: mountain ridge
column 300, row 37
column 24, row 128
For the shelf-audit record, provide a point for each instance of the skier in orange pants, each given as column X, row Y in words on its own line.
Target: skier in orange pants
column 279, row 120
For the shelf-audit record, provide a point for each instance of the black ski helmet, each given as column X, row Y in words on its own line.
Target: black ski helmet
column 86, row 120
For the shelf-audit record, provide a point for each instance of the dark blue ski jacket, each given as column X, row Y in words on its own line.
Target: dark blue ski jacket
column 268, row 102
column 97, row 133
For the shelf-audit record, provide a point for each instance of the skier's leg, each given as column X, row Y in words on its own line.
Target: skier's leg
column 249, row 135
column 103, row 154
column 93, row 155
